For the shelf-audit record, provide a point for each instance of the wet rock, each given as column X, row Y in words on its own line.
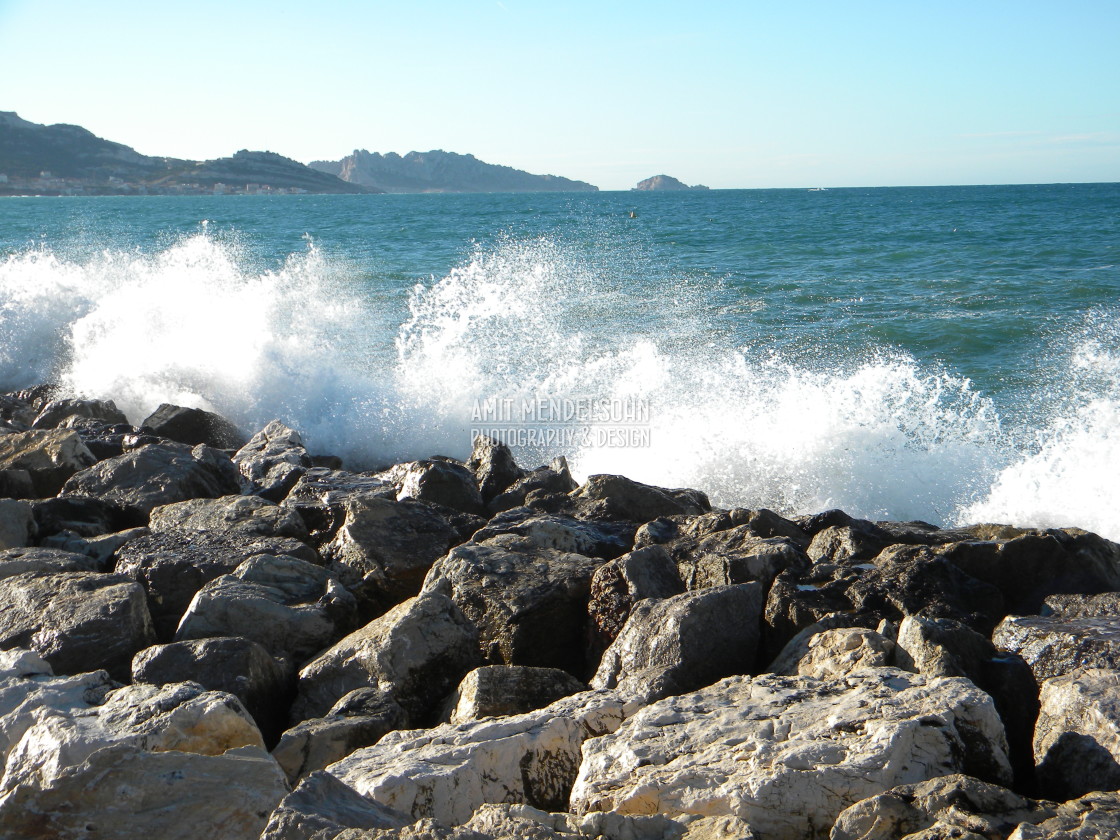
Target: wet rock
column 52, row 414
column 17, row 523
column 83, row 516
column 553, row 480
column 441, row 482
column 77, row 621
column 384, row 548
column 320, row 497
column 360, row 719
column 234, row 665
column 530, row 607
column 193, row 426
column 322, row 806
column 417, row 652
column 837, row 652
column 447, row 772
column 1095, row 816
column 493, row 466
column 858, row 542
column 750, row 748
column 496, row 690
column 291, row 607
column 273, row 460
column 1056, row 646
column 616, row 586
column 949, row 806
column 156, row 475
column 683, row 643
column 1077, row 737
column 249, row 516
column 617, row 497
column 1102, row 605
column 48, row 457
column 173, row 566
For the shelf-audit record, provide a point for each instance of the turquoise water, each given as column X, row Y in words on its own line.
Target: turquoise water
column 947, row 354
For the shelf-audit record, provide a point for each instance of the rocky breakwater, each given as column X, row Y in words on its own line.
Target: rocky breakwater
column 207, row 635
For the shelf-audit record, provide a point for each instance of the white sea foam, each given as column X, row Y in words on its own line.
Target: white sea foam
column 877, row 434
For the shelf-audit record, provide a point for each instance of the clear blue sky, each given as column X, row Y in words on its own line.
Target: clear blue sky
column 751, row 93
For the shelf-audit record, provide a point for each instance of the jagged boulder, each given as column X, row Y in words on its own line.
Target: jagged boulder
column 249, row 516
column 683, row 643
column 47, row 457
column 553, row 480
column 273, row 460
column 533, row 530
column 1095, row 816
column 837, row 652
column 737, row 555
column 496, row 690
column 52, row 415
column 17, row 561
column 1056, row 646
column 647, row 572
column 155, row 475
column 750, row 748
column 320, row 497
column 291, row 607
column 417, row 652
column 101, row 550
column 193, row 426
column 493, row 466
column 322, row 806
column 442, row 482
column 1077, row 737
column 618, row 497
column 82, row 515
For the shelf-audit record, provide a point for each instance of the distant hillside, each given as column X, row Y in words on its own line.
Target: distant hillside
column 439, row 171
column 67, row 159
column 665, row 182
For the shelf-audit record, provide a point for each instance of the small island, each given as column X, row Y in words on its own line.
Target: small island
column 665, row 182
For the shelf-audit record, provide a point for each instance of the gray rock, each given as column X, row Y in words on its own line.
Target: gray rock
column 837, row 652
column 48, row 457
column 55, row 412
column 616, row 586
column 193, row 426
column 320, row 496
column 76, row 620
column 441, row 482
column 617, row 497
column 497, row 690
column 388, row 547
column 788, row 754
column 173, row 566
column 1077, row 737
column 249, row 516
column 786, row 662
column 555, row 479
column 417, row 652
column 856, row 543
column 683, row 643
column 18, row 561
column 1103, row 605
column 101, row 550
column 1056, row 646
column 360, row 719
column 82, row 515
column 493, row 466
column 273, row 460
column 737, row 555
column 530, row 607
column 559, row 532
column 1095, row 816
column 322, row 806
column 17, row 524
column 293, row 608
column 797, row 602
column 155, row 475
column 234, row 665
column 949, row 806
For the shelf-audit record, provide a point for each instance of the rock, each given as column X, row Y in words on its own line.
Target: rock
column 796, row 602
column 293, row 608
column 417, row 652
column 193, row 426
column 837, row 652
column 447, row 772
column 949, row 806
column 388, row 547
column 322, row 806
column 82, row 515
column 360, row 719
column 497, row 690
column 155, row 475
column 441, row 482
column 17, row 524
column 760, row 523
column 942, row 648
column 493, row 466
column 320, row 497
column 617, row 497
column 1103, row 604
column 1077, row 737
column 616, row 586
column 750, row 748
column 1095, row 816
column 559, row 532
column 56, row 411
column 1056, row 646
column 234, row 665
column 107, row 440
column 240, row 788
column 530, row 607
column 76, row 620
column 48, row 457
column 859, row 542
column 173, row 566
column 683, row 643
column 274, row 459
column 786, row 663
column 555, row 479
column 18, row 561
column 249, row 516
column 735, row 556
column 101, row 550
column 16, row 484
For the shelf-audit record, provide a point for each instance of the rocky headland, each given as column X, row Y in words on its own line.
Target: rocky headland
column 664, row 183
column 209, row 633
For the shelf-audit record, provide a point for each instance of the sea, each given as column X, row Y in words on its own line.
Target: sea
column 945, row 354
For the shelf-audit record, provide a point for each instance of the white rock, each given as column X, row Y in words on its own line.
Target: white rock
column 1077, row 736
column 836, row 652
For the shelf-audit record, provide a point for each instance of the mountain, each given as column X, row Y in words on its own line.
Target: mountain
column 665, row 182
column 67, row 159
column 440, row 171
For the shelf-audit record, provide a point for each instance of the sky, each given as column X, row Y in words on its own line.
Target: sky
column 743, row 94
